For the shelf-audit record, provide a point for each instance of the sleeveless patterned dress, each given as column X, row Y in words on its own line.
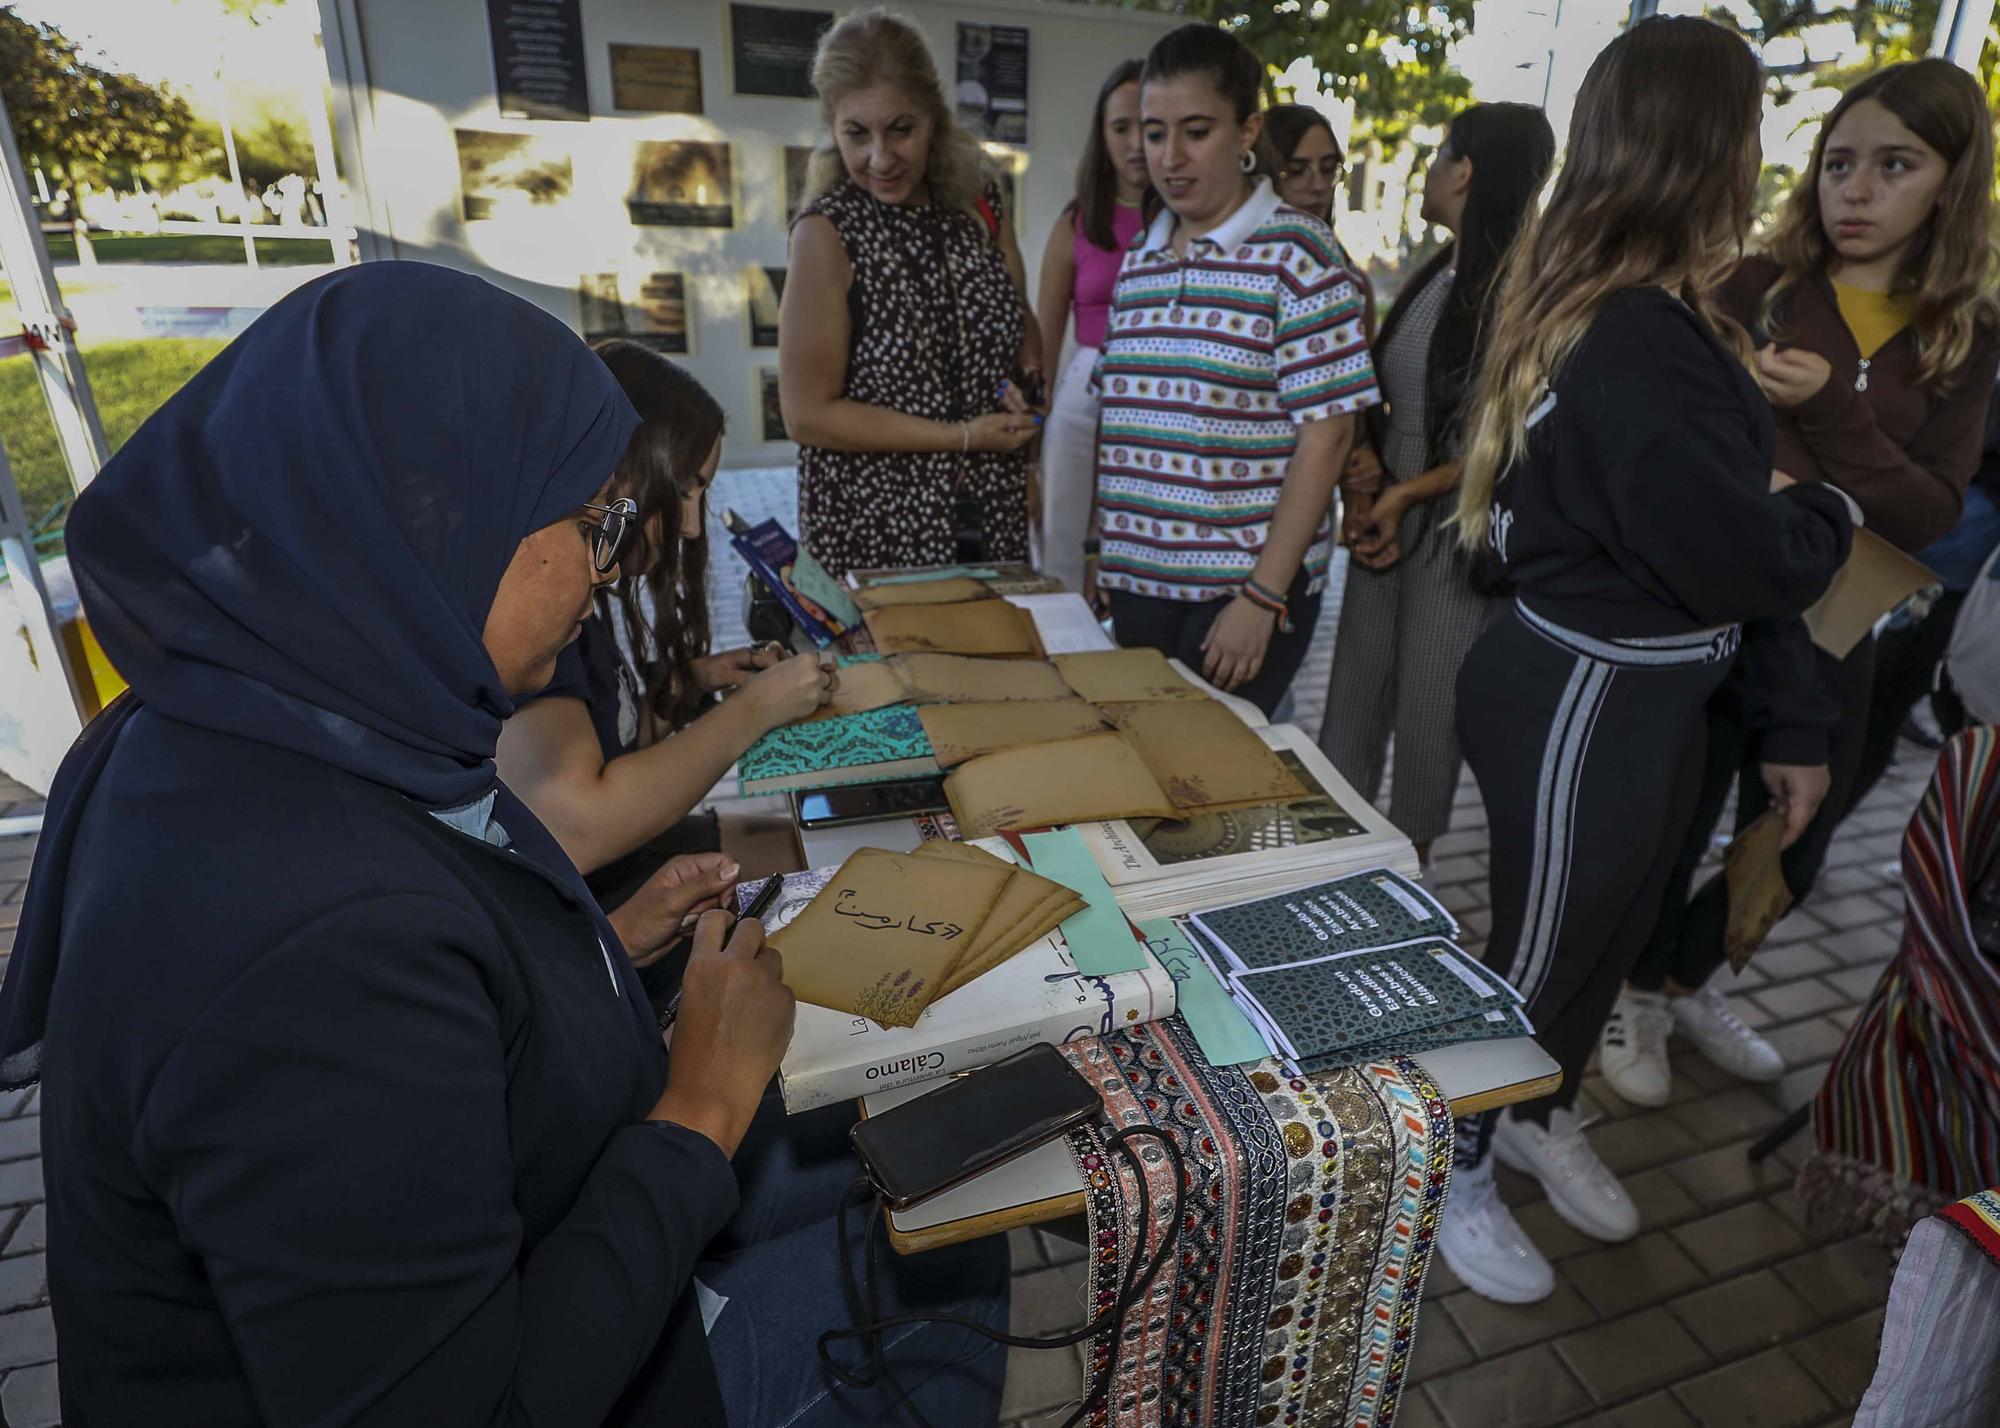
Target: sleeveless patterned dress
column 936, row 328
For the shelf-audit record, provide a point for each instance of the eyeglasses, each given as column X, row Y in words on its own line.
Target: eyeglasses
column 1330, row 168
column 608, row 535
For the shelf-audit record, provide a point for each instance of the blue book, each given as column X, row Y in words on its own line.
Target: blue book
column 874, row 747
column 814, row 600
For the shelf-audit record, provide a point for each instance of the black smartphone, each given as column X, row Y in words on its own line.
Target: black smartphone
column 868, row 802
column 975, row 1122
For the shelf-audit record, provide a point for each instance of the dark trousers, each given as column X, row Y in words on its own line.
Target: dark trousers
column 1906, row 669
column 1686, row 942
column 1588, row 755
column 1176, row 629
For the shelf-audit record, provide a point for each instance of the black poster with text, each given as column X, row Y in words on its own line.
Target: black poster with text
column 771, row 50
column 538, row 58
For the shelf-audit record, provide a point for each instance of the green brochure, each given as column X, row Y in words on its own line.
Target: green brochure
column 1100, row 939
column 1226, row 1036
column 810, row 579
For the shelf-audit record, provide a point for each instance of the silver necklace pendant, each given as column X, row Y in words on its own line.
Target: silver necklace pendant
column 1861, row 376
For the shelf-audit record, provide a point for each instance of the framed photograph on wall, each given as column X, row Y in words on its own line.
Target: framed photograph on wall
column 773, row 411
column 992, row 91
column 655, row 314
column 771, row 49
column 600, row 310
column 765, row 288
column 797, row 160
column 682, row 183
column 538, row 59
column 504, row 174
column 1010, row 168
column 658, row 79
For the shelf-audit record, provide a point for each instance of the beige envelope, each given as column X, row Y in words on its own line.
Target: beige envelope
column 964, row 679
column 1758, row 892
column 862, row 687
column 977, row 627
column 1042, row 785
column 880, row 938
column 1028, row 907
column 1875, row 580
column 965, row 731
column 1203, row 755
column 1123, row 676
column 950, row 591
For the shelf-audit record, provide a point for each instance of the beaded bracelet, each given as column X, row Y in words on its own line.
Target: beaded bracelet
column 1264, row 600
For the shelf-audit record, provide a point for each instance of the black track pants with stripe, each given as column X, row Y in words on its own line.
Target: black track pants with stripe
column 1588, row 754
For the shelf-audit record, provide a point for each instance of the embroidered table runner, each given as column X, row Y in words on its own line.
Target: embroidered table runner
column 1308, row 1220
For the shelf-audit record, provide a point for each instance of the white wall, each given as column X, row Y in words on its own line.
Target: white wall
column 428, row 70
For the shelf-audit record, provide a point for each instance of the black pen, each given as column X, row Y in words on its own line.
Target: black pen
column 759, row 905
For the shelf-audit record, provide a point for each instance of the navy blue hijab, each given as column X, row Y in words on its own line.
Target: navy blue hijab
column 302, row 545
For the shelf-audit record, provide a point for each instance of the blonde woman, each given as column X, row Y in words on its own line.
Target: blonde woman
column 904, row 337
column 1620, row 467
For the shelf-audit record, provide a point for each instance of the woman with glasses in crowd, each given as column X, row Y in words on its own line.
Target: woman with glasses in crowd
column 904, row 337
column 619, row 750
column 1875, row 306
column 355, row 1108
column 1619, row 465
column 1079, row 271
column 1410, row 612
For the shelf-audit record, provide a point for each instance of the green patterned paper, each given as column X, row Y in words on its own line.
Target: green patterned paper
column 1359, row 999
column 1484, row 1026
column 1372, row 909
column 850, row 748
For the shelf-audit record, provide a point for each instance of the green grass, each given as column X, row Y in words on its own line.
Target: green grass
column 130, row 380
column 192, row 248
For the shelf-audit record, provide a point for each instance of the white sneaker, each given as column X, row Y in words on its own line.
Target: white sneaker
column 1632, row 1053
column 1705, row 1019
column 1485, row 1247
column 1581, row 1190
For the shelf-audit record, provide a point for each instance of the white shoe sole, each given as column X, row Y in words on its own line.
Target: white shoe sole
column 1651, row 1103
column 1755, row 1078
column 1496, row 1290
column 1514, row 1161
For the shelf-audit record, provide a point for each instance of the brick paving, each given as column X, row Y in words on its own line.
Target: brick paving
column 1725, row 1310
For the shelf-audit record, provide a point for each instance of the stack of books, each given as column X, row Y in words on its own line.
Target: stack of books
column 1168, row 868
column 1352, row 970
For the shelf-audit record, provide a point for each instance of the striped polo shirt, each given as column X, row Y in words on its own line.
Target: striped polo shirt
column 1210, row 364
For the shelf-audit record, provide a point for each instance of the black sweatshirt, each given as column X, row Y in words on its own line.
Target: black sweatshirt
column 345, row 1119
column 1643, row 505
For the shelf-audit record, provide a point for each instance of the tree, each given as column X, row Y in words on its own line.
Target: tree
column 78, row 120
column 1388, row 56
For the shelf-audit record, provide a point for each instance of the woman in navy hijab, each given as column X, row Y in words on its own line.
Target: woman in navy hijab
column 354, row 1108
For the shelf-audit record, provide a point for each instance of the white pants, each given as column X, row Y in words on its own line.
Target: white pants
column 1069, row 471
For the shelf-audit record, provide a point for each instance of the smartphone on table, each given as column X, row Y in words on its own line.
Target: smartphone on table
column 868, row 802
column 972, row 1123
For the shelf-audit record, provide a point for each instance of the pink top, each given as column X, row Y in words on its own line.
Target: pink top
column 1097, row 273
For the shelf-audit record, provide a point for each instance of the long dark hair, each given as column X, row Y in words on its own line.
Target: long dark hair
column 1512, row 148
column 663, row 572
column 1229, row 64
column 1096, row 184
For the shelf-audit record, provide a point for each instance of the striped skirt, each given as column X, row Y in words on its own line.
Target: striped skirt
column 1908, row 1119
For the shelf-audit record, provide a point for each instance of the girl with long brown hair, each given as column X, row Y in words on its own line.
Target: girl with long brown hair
column 1620, row 467
column 1876, row 295
column 1114, row 197
column 618, row 751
